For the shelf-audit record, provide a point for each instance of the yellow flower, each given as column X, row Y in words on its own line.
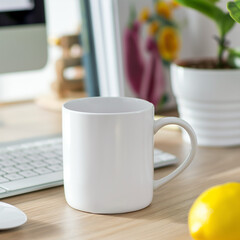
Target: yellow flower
column 144, row 15
column 168, row 43
column 163, row 9
column 174, row 4
column 153, row 27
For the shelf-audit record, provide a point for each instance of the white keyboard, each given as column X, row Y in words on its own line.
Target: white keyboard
column 36, row 164
column 163, row 159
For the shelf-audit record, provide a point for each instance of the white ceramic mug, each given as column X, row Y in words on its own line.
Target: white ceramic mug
column 108, row 153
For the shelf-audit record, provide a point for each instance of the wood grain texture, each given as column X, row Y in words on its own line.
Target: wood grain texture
column 25, row 120
column 49, row 216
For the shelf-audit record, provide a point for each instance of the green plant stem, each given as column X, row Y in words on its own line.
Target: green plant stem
column 221, row 49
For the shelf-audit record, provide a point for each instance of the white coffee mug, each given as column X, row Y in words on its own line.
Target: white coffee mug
column 108, row 153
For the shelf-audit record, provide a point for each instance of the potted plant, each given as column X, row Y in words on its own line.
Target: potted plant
column 208, row 90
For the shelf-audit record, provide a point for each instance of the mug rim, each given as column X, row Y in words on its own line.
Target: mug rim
column 145, row 105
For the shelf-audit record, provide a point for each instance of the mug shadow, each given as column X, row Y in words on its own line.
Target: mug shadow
column 174, row 212
column 170, row 202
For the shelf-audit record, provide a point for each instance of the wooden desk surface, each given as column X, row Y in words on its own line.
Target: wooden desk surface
column 49, row 216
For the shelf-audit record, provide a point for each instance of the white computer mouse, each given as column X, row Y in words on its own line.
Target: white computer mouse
column 10, row 216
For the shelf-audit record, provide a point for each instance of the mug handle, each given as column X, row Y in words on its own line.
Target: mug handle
column 174, row 120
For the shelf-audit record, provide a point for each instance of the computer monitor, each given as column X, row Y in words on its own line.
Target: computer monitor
column 23, row 37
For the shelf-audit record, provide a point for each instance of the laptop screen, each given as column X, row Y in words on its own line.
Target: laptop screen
column 16, row 5
column 21, row 12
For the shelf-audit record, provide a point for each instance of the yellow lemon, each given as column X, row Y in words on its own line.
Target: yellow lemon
column 215, row 215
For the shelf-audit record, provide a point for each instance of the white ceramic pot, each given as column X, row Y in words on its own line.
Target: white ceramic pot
column 210, row 101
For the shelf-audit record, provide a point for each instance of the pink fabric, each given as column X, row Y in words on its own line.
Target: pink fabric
column 134, row 64
column 153, row 84
column 146, row 79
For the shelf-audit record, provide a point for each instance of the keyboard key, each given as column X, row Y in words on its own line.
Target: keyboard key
column 59, row 151
column 157, row 152
column 13, row 176
column 49, row 155
column 35, row 157
column 55, row 168
column 21, row 159
column 3, row 179
column 166, row 156
column 10, row 170
column 5, row 157
column 42, row 171
column 7, row 163
column 24, row 166
column 34, row 152
column 52, row 161
column 28, row 173
column 162, row 159
column 38, row 164
column 17, row 154
column 1, row 173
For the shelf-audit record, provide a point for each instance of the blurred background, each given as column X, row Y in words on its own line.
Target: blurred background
column 62, row 18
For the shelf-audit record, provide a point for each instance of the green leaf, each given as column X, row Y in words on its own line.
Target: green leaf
column 213, row 1
column 234, row 10
column 206, row 7
column 234, row 57
column 234, row 51
column 226, row 24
